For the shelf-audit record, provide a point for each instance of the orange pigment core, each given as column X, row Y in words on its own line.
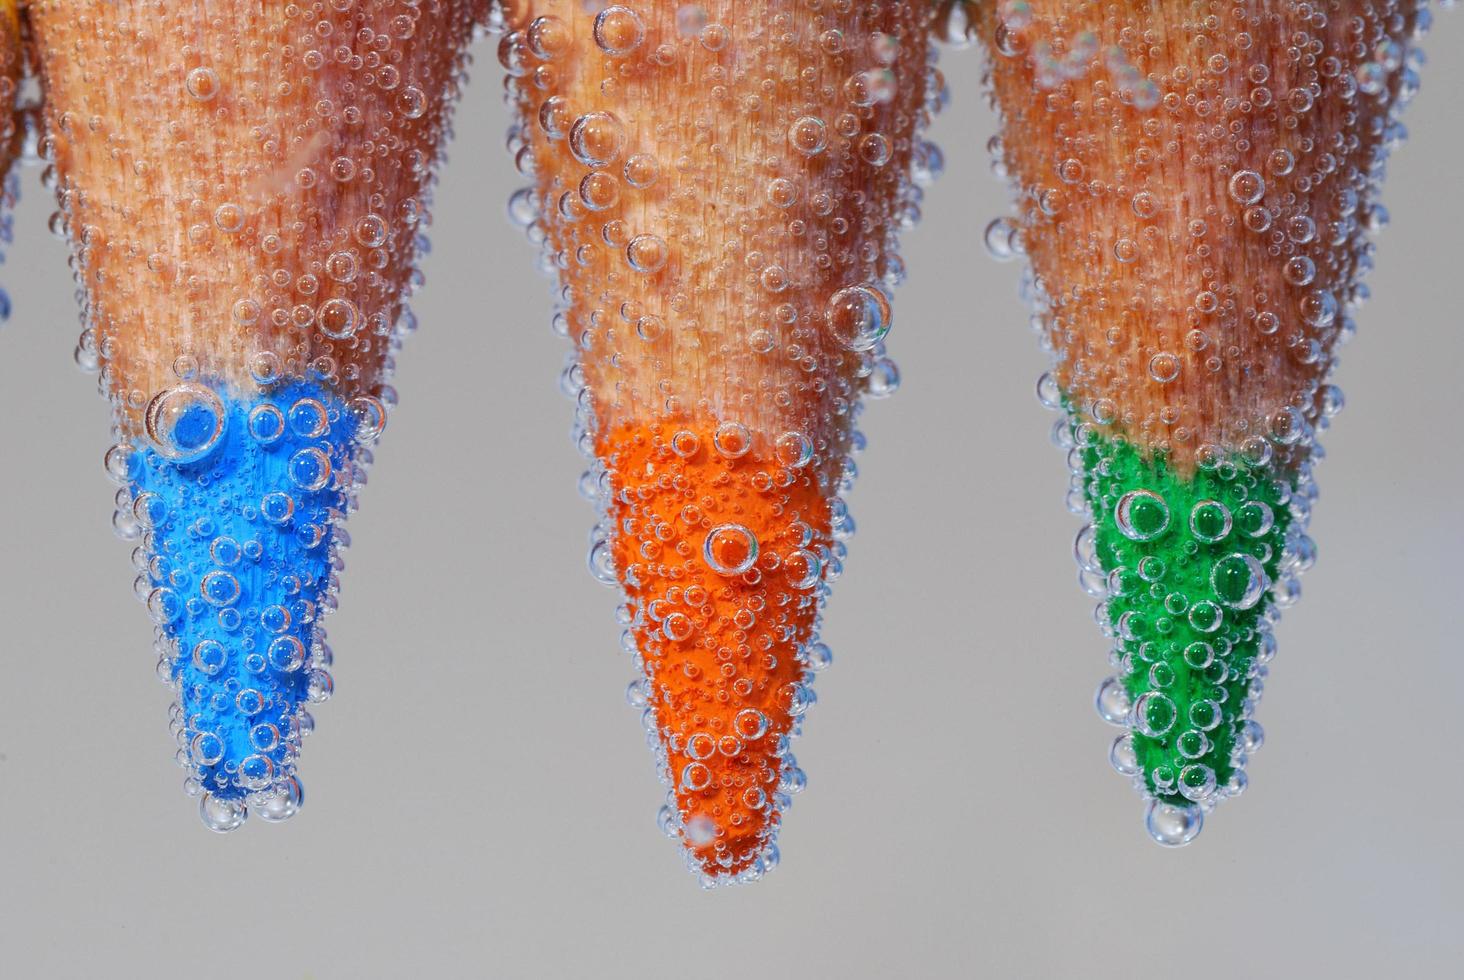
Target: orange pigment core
column 722, row 647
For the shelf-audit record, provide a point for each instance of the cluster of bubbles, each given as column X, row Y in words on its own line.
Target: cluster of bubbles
column 724, row 273
column 243, row 258
column 1196, row 220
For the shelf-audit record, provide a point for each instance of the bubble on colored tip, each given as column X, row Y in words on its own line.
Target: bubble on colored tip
column 221, row 815
column 1141, row 515
column 1206, row 616
column 1113, row 701
column 1197, row 781
column 1173, row 825
column 696, row 777
column 310, row 469
column 1239, row 580
column 219, row 588
column 210, row 657
column 859, row 317
column 206, row 748
column 185, row 422
column 732, row 440
column 803, row 569
column 678, row 627
column 730, row 549
column 750, row 723
column 286, row 654
column 281, row 802
column 1123, row 756
column 1154, row 714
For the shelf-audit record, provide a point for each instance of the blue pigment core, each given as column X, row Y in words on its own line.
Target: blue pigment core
column 239, row 548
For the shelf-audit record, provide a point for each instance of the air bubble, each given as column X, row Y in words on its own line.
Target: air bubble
column 859, row 317
column 730, row 549
column 1154, row 714
column 1247, row 187
column 1171, row 825
column 808, row 135
column 202, row 84
column 185, row 423
column 1113, row 702
column 596, row 139
column 221, row 815
column 647, row 254
column 1141, row 515
column 618, row 30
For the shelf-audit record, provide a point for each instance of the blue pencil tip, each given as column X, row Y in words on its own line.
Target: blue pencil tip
column 238, row 502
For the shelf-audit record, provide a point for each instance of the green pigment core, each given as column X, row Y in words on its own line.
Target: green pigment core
column 1190, row 560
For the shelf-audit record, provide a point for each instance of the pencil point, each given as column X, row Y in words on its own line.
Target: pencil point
column 721, row 550
column 1186, row 566
column 238, row 501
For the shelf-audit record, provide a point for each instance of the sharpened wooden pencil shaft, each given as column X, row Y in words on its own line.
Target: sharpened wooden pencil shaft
column 719, row 188
column 242, row 179
column 1194, row 185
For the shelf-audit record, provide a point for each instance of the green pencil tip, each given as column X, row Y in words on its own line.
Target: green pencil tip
column 1186, row 566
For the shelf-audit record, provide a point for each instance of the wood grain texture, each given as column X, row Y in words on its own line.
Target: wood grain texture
column 244, row 177
column 1194, row 182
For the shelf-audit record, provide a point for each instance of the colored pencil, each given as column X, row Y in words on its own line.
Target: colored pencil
column 244, row 185
column 1194, row 186
column 718, row 189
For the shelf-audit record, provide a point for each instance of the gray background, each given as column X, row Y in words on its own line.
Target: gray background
column 480, row 800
